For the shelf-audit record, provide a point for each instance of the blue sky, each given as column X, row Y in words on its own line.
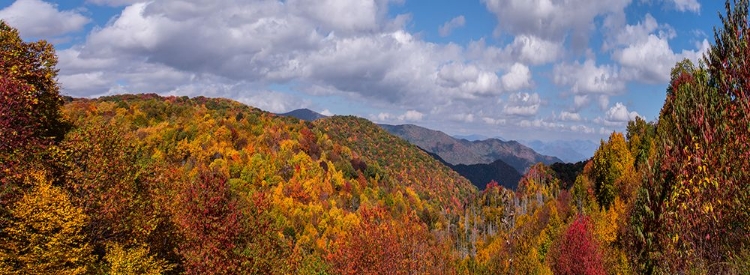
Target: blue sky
column 519, row 69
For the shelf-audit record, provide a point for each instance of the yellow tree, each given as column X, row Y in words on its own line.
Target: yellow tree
column 613, row 170
column 46, row 235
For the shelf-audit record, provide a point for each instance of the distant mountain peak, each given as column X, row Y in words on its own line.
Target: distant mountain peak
column 304, row 114
column 462, row 151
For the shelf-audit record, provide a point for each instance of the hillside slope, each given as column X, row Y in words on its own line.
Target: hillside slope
column 211, row 186
column 406, row 163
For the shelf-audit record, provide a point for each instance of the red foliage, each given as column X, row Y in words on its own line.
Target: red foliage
column 210, row 222
column 17, row 121
column 382, row 245
column 577, row 252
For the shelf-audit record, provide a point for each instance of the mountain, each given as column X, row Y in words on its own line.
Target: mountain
column 455, row 151
column 304, row 114
column 482, row 174
column 567, row 150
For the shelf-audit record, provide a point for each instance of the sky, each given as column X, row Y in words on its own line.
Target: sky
column 517, row 69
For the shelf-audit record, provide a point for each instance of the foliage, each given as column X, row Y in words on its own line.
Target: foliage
column 209, row 220
column 612, row 171
column 692, row 212
column 133, row 260
column 577, row 251
column 47, row 234
column 150, row 184
column 33, row 66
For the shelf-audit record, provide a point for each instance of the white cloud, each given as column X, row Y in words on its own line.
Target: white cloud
column 408, row 116
column 540, row 123
column 494, row 121
column 632, row 34
column 535, row 50
column 114, row 3
column 620, row 113
column 273, row 101
column 411, row 115
column 39, row 19
column 645, row 54
column 652, row 60
column 568, row 116
column 469, row 79
column 687, row 5
column 522, row 104
column 554, row 20
column 518, row 77
column 448, row 27
column 326, row 112
column 382, row 117
column 582, row 128
column 588, row 78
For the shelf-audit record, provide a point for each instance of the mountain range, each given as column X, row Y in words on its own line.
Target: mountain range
column 567, row 150
column 455, row 151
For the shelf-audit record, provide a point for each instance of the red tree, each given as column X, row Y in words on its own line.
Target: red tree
column 210, row 222
column 577, row 252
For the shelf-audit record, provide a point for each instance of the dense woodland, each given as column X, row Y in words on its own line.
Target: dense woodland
column 143, row 184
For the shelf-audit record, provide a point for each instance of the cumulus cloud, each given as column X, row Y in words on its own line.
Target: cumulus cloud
column 494, row 121
column 554, row 20
column 273, row 101
column 469, row 78
column 645, row 54
column 448, row 27
column 113, row 3
column 540, row 123
column 411, row 115
column 568, row 116
column 522, row 104
column 326, row 112
column 687, row 5
column 408, row 116
column 620, row 113
column 517, row 77
column 535, row 50
column 582, row 129
column 256, row 44
column 589, row 78
column 39, row 19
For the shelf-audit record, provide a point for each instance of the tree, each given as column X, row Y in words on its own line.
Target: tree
column 46, row 236
column 32, row 64
column 380, row 244
column 210, row 223
column 612, row 161
column 29, row 111
column 133, row 260
column 693, row 210
column 577, row 251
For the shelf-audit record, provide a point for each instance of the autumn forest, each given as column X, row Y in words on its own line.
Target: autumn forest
column 147, row 184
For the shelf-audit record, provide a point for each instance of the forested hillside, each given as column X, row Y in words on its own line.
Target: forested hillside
column 145, row 184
